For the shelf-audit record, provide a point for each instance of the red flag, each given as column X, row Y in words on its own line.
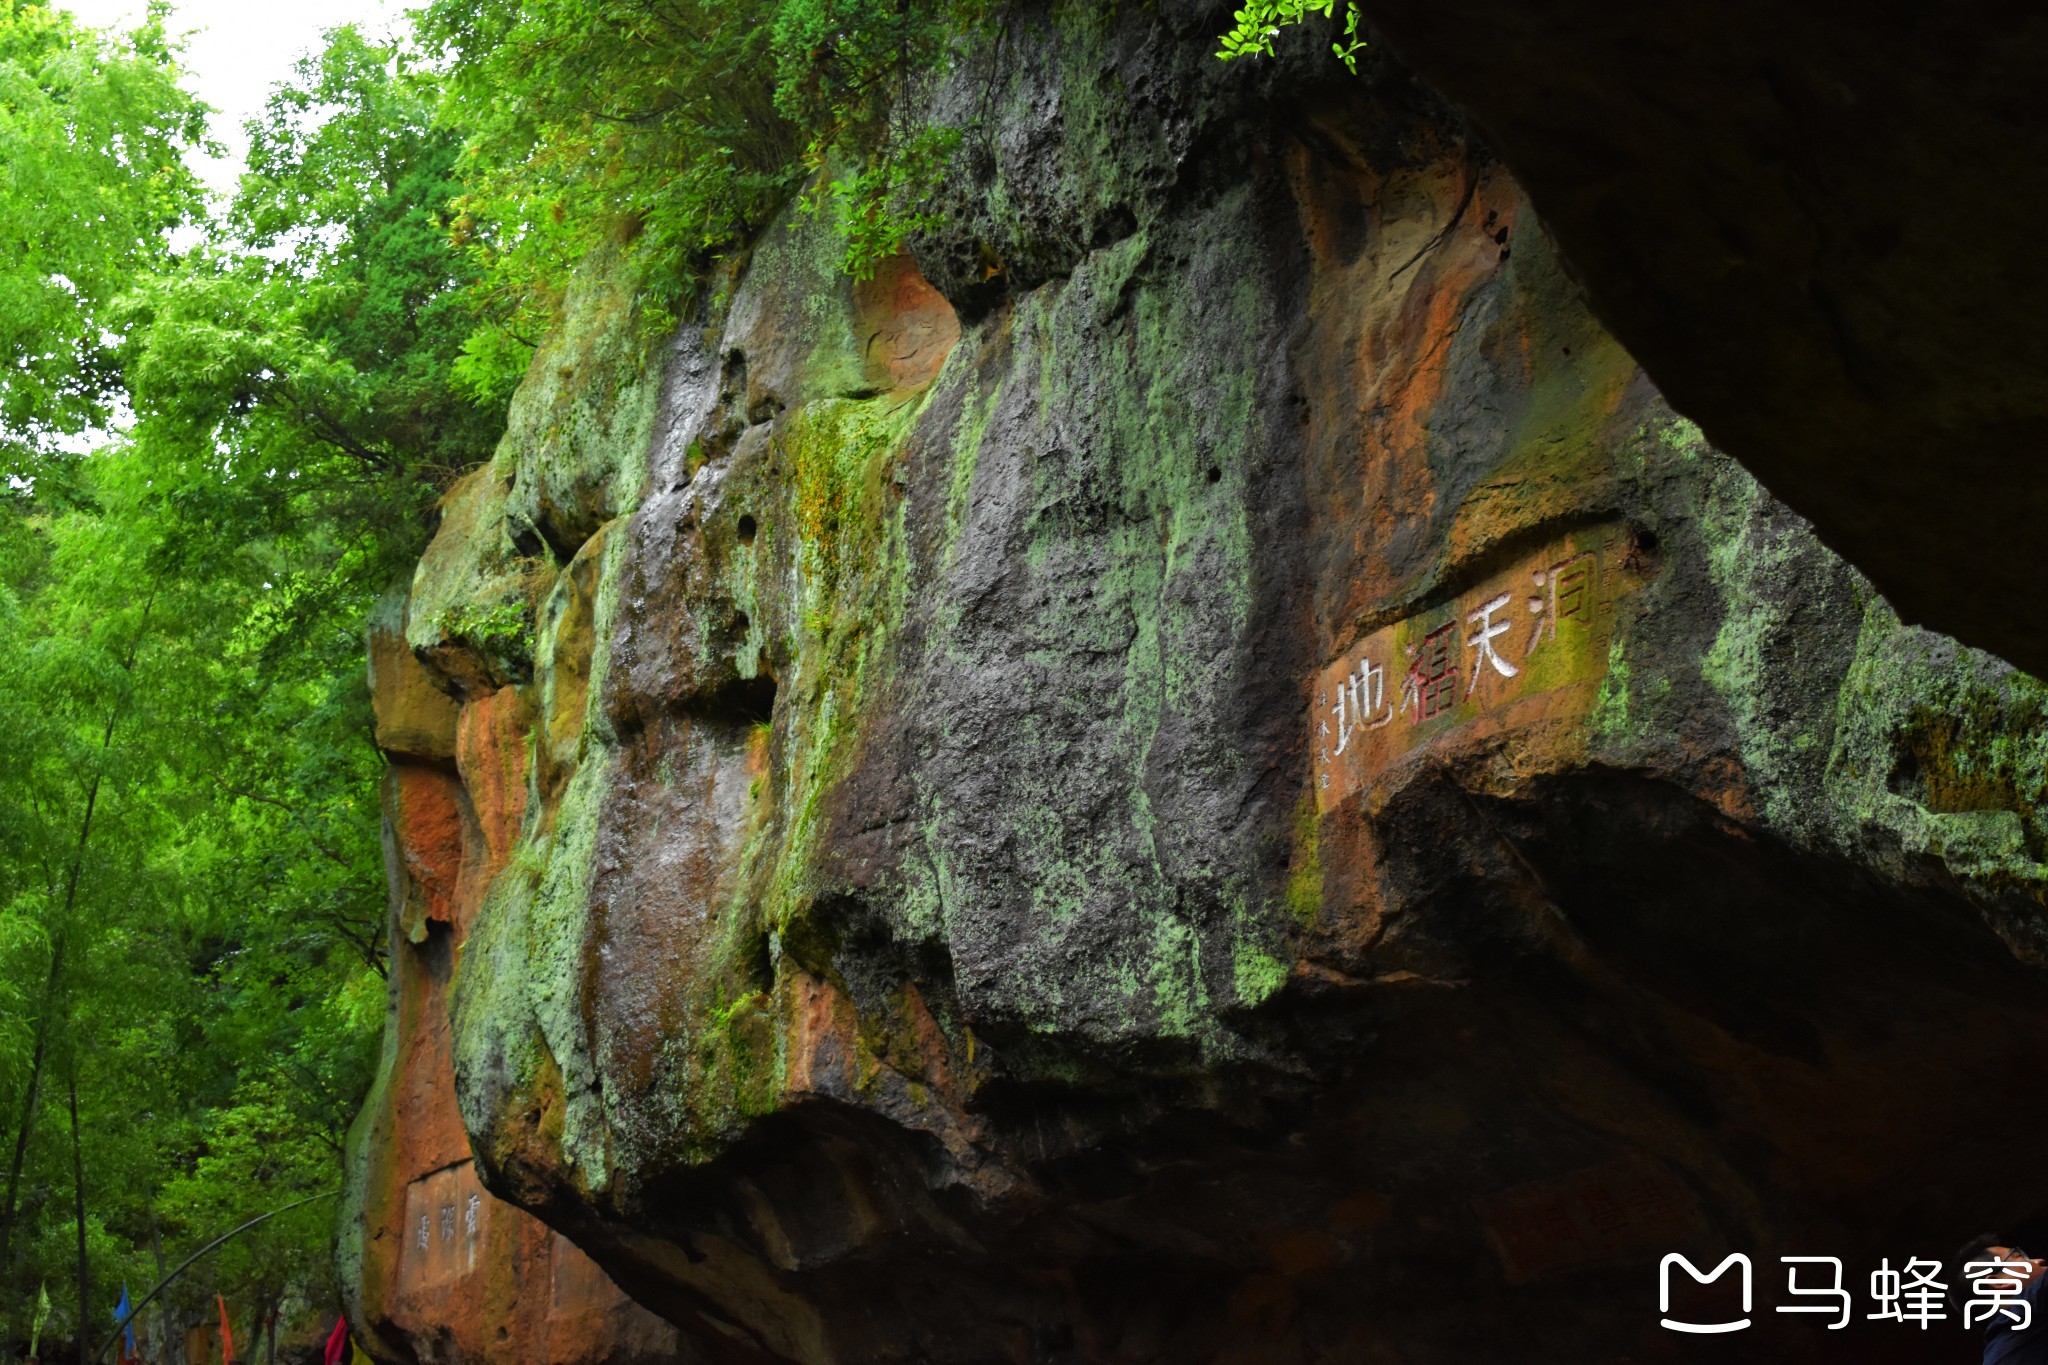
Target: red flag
column 337, row 1343
column 227, row 1338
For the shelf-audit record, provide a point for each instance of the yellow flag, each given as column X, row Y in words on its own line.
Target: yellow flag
column 35, row 1334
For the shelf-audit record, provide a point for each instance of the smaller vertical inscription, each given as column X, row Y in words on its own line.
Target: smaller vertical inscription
column 446, row 1217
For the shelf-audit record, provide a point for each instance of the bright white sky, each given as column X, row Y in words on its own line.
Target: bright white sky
column 238, row 49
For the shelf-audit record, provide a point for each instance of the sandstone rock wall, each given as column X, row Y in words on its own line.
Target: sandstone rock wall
column 1202, row 771
column 440, row 1269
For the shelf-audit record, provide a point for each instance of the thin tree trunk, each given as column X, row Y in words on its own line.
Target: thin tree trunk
column 84, row 1267
column 163, row 1323
column 28, row 1104
column 53, row 983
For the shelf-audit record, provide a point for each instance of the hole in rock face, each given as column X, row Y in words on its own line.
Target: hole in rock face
column 526, row 539
column 1116, row 225
column 760, row 960
column 437, row 951
column 732, row 382
column 1215, row 474
column 747, row 528
column 738, row 702
column 563, row 540
column 1642, row 554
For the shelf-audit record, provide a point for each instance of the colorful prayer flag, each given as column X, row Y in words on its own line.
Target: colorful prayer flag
column 227, row 1338
column 337, row 1343
column 122, row 1319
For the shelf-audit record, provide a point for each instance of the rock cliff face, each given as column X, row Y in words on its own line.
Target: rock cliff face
column 1200, row 771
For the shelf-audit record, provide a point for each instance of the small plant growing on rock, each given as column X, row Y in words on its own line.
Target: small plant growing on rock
column 1260, row 22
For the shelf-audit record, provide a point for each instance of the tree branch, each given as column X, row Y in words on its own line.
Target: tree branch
column 314, row 839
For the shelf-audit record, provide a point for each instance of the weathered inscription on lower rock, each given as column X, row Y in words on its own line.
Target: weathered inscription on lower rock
column 445, row 1215
column 1507, row 653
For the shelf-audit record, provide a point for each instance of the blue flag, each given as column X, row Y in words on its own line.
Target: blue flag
column 121, row 1315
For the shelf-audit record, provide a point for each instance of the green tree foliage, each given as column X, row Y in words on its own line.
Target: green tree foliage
column 349, row 171
column 191, row 881
column 301, row 374
column 92, row 135
column 194, row 900
column 842, row 68
column 593, row 119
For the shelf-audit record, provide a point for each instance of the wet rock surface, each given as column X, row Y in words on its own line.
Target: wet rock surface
column 1202, row 770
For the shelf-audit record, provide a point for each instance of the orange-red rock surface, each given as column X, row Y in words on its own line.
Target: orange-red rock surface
column 441, row 1269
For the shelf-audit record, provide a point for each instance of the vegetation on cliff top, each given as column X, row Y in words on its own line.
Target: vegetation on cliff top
column 676, row 128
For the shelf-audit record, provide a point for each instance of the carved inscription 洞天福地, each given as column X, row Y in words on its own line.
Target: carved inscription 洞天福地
column 1525, row 645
